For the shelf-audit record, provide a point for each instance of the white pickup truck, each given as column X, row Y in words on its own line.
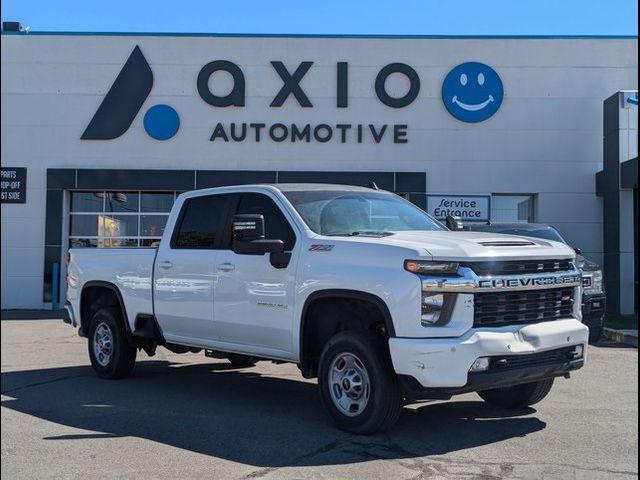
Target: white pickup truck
column 358, row 287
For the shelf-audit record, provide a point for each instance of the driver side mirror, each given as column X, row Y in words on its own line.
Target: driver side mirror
column 454, row 223
column 248, row 236
column 577, row 250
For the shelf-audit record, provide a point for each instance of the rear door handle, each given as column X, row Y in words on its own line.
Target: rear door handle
column 226, row 267
column 165, row 265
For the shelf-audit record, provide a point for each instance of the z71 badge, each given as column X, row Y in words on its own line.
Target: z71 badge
column 319, row 247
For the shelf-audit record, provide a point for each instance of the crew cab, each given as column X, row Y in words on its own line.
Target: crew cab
column 357, row 286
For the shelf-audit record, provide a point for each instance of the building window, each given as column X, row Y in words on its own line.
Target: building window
column 118, row 219
column 512, row 208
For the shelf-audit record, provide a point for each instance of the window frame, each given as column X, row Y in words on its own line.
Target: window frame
column 183, row 209
column 233, row 210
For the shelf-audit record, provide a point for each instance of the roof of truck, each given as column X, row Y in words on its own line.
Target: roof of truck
column 293, row 187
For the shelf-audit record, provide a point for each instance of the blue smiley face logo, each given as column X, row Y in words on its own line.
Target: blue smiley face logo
column 472, row 92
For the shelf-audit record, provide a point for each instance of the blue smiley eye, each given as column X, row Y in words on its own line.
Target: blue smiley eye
column 481, row 79
column 463, row 79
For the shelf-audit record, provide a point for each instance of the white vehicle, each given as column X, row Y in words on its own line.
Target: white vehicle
column 357, row 286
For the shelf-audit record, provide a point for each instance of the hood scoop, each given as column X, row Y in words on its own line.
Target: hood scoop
column 506, row 243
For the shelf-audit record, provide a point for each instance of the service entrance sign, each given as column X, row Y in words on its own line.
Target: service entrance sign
column 473, row 208
column 14, row 185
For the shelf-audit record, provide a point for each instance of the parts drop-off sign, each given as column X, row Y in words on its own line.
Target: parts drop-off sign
column 14, row 185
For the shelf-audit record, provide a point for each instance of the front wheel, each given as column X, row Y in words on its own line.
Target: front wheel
column 595, row 334
column 110, row 353
column 518, row 396
column 357, row 383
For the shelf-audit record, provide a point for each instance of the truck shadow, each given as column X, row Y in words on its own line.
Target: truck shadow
column 243, row 416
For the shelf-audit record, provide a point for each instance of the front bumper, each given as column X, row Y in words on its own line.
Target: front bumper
column 445, row 362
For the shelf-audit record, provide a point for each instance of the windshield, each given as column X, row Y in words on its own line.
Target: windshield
column 343, row 212
column 544, row 233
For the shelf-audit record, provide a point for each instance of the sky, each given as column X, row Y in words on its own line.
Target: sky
column 395, row 17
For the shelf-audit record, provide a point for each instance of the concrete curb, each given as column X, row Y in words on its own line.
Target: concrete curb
column 626, row 337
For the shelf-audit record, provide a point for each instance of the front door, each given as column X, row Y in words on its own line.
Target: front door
column 185, row 271
column 254, row 300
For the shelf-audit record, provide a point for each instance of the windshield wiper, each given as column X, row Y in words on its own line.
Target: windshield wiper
column 361, row 233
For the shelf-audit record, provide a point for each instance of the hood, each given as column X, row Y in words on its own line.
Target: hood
column 464, row 245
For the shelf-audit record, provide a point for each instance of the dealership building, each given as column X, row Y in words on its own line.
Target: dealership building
column 100, row 132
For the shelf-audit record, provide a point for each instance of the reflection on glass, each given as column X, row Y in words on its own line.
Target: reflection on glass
column 85, row 225
column 152, row 225
column 87, row 201
column 121, row 202
column 120, row 226
column 156, row 202
column 83, row 243
column 149, row 242
column 121, row 242
column 113, row 219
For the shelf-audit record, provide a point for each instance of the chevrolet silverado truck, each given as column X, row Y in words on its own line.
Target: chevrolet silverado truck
column 357, row 286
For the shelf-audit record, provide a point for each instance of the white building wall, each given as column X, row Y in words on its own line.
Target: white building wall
column 545, row 139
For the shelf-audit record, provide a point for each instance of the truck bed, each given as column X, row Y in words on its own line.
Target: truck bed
column 130, row 269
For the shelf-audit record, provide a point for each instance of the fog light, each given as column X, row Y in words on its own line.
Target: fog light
column 480, row 365
column 579, row 351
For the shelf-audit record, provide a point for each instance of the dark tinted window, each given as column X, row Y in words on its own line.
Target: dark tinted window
column 201, row 222
column 275, row 224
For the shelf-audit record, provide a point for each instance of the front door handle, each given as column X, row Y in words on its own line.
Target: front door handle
column 165, row 265
column 226, row 267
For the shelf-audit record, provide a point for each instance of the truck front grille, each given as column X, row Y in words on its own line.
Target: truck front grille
column 507, row 308
column 519, row 267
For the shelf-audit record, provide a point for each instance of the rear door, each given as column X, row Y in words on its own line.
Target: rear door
column 185, row 269
column 255, row 301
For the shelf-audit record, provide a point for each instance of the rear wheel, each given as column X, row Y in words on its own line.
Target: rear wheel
column 110, row 354
column 518, row 396
column 238, row 360
column 357, row 383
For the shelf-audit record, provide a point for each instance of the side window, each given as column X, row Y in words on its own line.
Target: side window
column 275, row 224
column 201, row 222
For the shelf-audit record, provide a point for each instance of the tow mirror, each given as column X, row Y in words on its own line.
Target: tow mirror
column 248, row 227
column 454, row 223
column 248, row 236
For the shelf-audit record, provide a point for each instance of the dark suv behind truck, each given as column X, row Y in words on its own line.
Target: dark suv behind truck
column 593, row 298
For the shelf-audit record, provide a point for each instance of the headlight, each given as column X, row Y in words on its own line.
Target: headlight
column 430, row 268
column 592, row 282
column 437, row 308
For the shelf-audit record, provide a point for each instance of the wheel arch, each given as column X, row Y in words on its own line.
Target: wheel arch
column 306, row 360
column 85, row 310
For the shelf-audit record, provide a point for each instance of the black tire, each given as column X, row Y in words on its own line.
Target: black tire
column 123, row 356
column 518, row 396
column 385, row 397
column 238, row 360
column 595, row 334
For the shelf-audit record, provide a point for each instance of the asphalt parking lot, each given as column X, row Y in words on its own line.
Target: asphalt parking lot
column 187, row 416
